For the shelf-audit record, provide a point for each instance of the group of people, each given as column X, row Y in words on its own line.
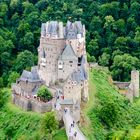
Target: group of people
column 72, row 126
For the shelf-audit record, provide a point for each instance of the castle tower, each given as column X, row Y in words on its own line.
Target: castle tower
column 62, row 54
column 135, row 82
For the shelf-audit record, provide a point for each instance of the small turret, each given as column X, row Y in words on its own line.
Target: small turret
column 135, row 82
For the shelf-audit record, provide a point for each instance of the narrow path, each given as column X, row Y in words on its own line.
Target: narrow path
column 72, row 130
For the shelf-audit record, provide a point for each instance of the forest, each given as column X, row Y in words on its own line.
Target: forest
column 112, row 40
column 112, row 33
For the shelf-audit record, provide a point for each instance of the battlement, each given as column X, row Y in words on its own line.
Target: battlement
column 55, row 30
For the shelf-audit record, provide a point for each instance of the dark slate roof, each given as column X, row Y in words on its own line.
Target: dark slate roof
column 75, row 27
column 43, row 29
column 79, row 75
column 83, row 61
column 68, row 53
column 54, row 25
column 79, row 27
column 49, row 29
column 30, row 76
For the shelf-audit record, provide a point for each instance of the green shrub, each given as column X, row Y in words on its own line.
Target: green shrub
column 3, row 97
column 49, row 124
column 44, row 93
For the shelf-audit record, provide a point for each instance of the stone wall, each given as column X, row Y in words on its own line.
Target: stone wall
column 121, row 85
column 48, row 66
column 31, row 104
column 72, row 91
column 68, row 66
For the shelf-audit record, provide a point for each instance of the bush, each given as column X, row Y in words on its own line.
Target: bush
column 3, row 97
column 44, row 93
column 49, row 124
column 13, row 77
column 1, row 82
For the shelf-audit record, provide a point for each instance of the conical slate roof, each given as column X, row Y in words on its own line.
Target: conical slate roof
column 68, row 53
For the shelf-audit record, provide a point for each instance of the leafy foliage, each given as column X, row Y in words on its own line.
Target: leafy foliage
column 44, row 93
column 13, row 77
column 112, row 116
column 49, row 123
column 112, row 26
column 18, row 124
column 3, row 97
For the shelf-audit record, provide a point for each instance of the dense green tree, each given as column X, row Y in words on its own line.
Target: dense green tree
column 49, row 123
column 104, row 59
column 111, row 25
column 24, row 60
column 122, row 66
column 93, row 47
column 3, row 97
column 44, row 93
column 13, row 77
column 121, row 44
column 3, row 10
column 1, row 82
column 90, row 58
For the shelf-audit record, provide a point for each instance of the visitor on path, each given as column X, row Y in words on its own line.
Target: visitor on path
column 65, row 110
column 73, row 123
column 75, row 134
column 55, row 105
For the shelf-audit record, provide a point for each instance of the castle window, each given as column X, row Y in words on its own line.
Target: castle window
column 70, row 61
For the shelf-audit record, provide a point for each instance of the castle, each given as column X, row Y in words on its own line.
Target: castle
column 62, row 67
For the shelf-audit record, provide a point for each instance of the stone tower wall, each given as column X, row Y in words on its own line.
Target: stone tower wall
column 53, row 48
column 135, row 82
column 72, row 92
column 68, row 67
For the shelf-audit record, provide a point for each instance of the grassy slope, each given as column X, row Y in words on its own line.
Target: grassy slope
column 101, row 92
column 21, row 125
column 25, row 125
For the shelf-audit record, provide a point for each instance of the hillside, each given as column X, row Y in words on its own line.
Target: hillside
column 21, row 125
column 112, row 33
column 108, row 115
